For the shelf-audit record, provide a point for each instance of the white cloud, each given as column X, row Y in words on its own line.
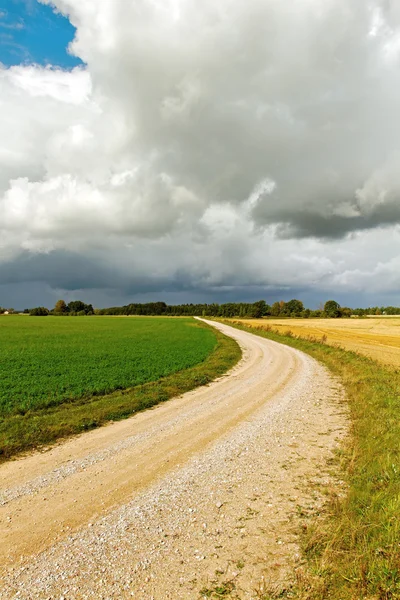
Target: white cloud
column 217, row 142
column 71, row 87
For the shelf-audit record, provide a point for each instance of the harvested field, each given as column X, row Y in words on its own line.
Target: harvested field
column 376, row 337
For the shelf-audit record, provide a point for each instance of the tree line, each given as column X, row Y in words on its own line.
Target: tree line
column 292, row 309
column 76, row 308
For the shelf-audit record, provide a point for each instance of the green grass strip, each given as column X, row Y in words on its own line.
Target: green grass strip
column 19, row 433
column 354, row 550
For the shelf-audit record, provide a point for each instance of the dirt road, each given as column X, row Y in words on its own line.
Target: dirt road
column 198, row 494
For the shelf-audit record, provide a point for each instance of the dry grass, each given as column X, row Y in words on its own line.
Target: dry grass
column 375, row 337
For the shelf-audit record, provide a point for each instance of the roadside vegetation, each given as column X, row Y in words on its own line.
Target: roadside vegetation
column 353, row 548
column 63, row 376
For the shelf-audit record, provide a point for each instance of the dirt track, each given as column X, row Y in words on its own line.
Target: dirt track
column 202, row 491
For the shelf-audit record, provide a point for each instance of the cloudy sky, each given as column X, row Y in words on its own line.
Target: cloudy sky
column 199, row 151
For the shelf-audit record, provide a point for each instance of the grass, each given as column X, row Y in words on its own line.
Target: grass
column 162, row 357
column 353, row 551
column 224, row 589
column 46, row 361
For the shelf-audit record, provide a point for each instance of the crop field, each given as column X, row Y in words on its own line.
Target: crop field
column 45, row 361
column 60, row 376
column 376, row 337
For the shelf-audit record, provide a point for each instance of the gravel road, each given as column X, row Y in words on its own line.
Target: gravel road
column 201, row 493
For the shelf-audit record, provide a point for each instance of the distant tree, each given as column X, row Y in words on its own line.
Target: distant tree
column 294, row 308
column 332, row 309
column 60, row 307
column 39, row 311
column 267, row 310
column 276, row 309
column 77, row 306
column 158, row 308
column 391, row 310
column 26, row 311
column 346, row 311
column 259, row 309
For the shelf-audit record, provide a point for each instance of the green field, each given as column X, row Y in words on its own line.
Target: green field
column 45, row 361
column 59, row 376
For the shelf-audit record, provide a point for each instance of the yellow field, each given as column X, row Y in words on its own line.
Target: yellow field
column 376, row 337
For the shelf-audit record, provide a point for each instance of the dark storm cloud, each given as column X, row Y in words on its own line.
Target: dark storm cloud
column 63, row 270
column 308, row 224
column 68, row 271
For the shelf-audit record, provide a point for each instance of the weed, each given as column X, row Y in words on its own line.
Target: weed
column 219, row 590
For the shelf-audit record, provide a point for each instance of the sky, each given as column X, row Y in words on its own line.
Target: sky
column 33, row 33
column 192, row 151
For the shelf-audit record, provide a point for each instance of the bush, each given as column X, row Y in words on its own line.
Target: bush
column 39, row 311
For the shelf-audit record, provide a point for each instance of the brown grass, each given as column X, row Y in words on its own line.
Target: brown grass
column 378, row 337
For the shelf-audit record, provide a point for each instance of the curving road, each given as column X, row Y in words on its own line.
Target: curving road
column 198, row 492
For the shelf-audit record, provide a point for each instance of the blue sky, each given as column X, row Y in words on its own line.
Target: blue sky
column 31, row 32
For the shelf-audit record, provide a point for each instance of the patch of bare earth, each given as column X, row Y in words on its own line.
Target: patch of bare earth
column 200, row 496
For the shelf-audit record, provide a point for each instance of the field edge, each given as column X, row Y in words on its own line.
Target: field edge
column 38, row 429
column 351, row 549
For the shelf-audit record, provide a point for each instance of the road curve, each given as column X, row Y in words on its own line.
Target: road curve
column 73, row 519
